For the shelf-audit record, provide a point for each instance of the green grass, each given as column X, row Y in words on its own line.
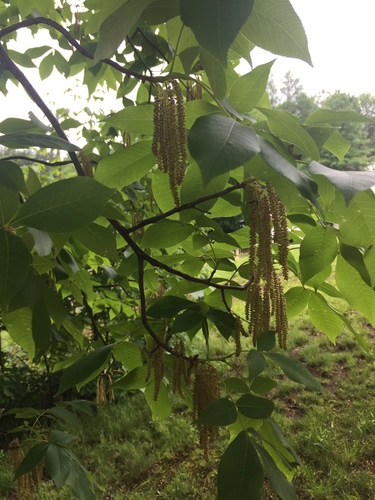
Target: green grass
column 333, row 432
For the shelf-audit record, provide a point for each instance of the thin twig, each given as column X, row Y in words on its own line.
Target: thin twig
column 37, row 160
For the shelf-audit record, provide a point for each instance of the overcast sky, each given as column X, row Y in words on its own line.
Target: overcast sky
column 341, row 35
column 341, row 41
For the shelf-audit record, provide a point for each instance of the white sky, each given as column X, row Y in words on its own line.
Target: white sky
column 341, row 41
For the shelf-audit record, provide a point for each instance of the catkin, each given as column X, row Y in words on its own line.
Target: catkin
column 179, row 368
column 265, row 296
column 155, row 363
column 169, row 142
column 206, row 390
column 25, row 484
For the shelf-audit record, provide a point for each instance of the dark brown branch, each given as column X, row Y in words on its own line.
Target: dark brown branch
column 36, row 160
column 74, row 43
column 144, row 319
column 186, row 206
column 18, row 75
column 156, row 263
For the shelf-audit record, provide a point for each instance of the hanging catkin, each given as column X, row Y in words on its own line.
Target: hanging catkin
column 265, row 296
column 169, row 143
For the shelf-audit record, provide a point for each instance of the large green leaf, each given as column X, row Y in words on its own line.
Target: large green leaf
column 323, row 317
column 24, row 140
column 125, row 166
column 65, row 205
column 15, row 261
column 98, row 239
column 306, row 186
column 128, row 354
column 159, row 11
column 9, row 202
column 337, row 145
column 11, row 176
column 288, row 128
column 166, row 233
column 32, row 459
column 114, row 29
column 215, row 23
column 19, row 326
column 322, row 116
column 57, row 462
column 84, row 369
column 215, row 72
column 358, row 225
column 275, row 26
column 248, row 89
column 295, row 370
column 168, row 306
column 318, row 249
column 161, row 408
column 354, row 289
column 219, row 412
column 219, row 144
column 278, row 481
column 256, row 363
column 240, row 474
column 255, row 407
column 297, row 299
column 349, row 183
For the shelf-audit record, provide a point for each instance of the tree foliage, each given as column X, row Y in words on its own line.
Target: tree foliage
column 109, row 275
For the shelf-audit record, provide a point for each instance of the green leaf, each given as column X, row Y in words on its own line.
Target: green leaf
column 255, row 407
column 57, row 462
column 224, row 322
column 219, row 144
column 262, row 385
column 337, row 145
column 256, row 363
column 349, row 183
column 64, row 206
column 295, row 370
column 219, row 412
column 354, row 289
column 356, row 259
column 66, row 416
column 100, row 240
column 161, row 408
column 31, row 460
column 84, row 369
column 235, row 384
column 187, row 320
column 9, row 203
column 81, row 481
column 318, row 249
column 128, row 354
column 114, row 29
column 159, row 12
column 166, row 233
column 126, row 166
column 15, row 261
column 297, row 299
column 323, row 317
column 11, row 176
column 24, row 140
column 168, row 306
column 278, row 481
column 240, row 474
column 288, row 128
column 215, row 23
column 46, row 66
column 323, row 116
column 358, row 225
column 134, row 119
column 306, row 186
column 266, row 341
column 277, row 28
column 215, row 72
column 135, row 379
column 248, row 89
column 18, row 325
column 21, row 59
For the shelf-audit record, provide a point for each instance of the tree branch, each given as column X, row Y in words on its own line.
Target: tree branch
column 36, row 160
column 154, row 262
column 18, row 74
column 186, row 206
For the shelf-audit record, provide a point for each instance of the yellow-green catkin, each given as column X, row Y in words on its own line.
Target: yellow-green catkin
column 265, row 296
column 86, row 164
column 25, row 485
column 206, row 390
column 169, row 142
column 179, row 368
column 155, row 364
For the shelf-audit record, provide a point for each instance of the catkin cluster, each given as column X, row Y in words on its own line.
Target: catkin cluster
column 169, row 144
column 155, row 362
column 27, row 484
column 104, row 391
column 179, row 368
column 206, row 390
column 265, row 296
